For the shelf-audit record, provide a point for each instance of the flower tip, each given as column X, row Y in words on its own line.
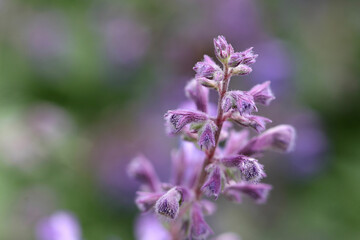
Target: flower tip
column 168, row 204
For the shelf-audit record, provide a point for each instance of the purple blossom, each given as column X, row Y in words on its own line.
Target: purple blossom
column 146, row 200
column 206, row 138
column 198, row 93
column 141, row 169
column 239, row 100
column 259, row 192
column 246, row 57
column 280, row 139
column 59, row 226
column 168, row 204
column 251, row 170
column 199, row 228
column 262, row 93
column 212, row 186
column 236, row 141
column 256, row 122
column 223, row 49
column 176, row 120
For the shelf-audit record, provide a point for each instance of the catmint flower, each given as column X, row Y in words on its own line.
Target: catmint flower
column 223, row 49
column 141, row 169
column 262, row 93
column 168, row 204
column 259, row 192
column 199, row 228
column 246, row 57
column 146, row 200
column 206, row 138
column 176, row 120
column 239, row 100
column 59, row 226
column 212, row 186
column 256, row 122
column 207, row 68
column 280, row 138
column 251, row 170
column 199, row 94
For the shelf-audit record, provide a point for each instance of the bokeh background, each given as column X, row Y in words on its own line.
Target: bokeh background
column 84, row 85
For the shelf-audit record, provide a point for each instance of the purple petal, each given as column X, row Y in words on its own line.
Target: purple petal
column 198, row 93
column 262, row 93
column 199, row 228
column 259, row 192
column 176, row 120
column 206, row 137
column 212, row 186
column 146, row 200
column 168, row 204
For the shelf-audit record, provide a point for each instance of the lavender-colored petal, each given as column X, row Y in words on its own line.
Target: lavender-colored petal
column 236, row 142
column 280, row 138
column 59, row 226
column 212, row 186
column 206, row 138
column 141, row 169
column 176, row 120
column 207, row 68
column 146, row 200
column 262, row 93
column 259, row 192
column 168, row 204
column 199, row 228
column 198, row 93
column 233, row 161
column 246, row 57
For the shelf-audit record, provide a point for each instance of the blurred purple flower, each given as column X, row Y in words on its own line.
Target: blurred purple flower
column 148, row 227
column 59, row 226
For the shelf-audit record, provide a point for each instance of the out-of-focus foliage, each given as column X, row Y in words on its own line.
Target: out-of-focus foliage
column 84, row 86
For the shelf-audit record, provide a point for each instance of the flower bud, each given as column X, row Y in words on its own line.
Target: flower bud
column 176, row 120
column 259, row 192
column 280, row 138
column 146, row 200
column 141, row 169
column 197, row 93
column 223, row 49
column 199, row 229
column 206, row 68
column 251, row 170
column 241, row 69
column 168, row 204
column 239, row 100
column 212, row 186
column 256, row 122
column 206, row 135
column 262, row 93
column 208, row 83
column 246, row 57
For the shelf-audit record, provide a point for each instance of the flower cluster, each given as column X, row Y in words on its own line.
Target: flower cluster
column 202, row 166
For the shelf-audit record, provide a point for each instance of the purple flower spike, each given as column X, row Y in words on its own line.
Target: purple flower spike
column 198, row 93
column 176, row 120
column 141, row 169
column 259, row 192
column 246, row 57
column 262, row 93
column 59, row 226
column 240, row 100
column 223, row 49
column 146, row 200
column 251, row 170
column 168, row 204
column 280, row 138
column 212, row 186
column 256, row 122
column 199, row 228
column 206, row 138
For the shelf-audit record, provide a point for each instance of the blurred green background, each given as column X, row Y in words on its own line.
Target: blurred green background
column 84, row 86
